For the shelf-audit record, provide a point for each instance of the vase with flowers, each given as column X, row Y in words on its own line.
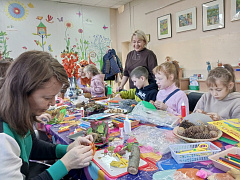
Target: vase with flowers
column 69, row 62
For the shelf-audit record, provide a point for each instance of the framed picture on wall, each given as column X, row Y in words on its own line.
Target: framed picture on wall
column 164, row 26
column 186, row 20
column 235, row 10
column 213, row 15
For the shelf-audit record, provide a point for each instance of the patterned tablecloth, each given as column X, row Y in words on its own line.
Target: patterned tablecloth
column 153, row 171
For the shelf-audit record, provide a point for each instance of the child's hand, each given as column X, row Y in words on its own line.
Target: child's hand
column 199, row 111
column 160, row 105
column 152, row 102
column 214, row 116
column 118, row 95
column 83, row 89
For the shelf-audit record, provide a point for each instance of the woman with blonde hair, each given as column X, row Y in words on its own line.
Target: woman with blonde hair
column 140, row 56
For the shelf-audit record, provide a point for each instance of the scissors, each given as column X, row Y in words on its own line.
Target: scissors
column 201, row 147
column 122, row 163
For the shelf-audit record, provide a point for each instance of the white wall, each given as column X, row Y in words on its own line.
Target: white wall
column 91, row 21
column 191, row 48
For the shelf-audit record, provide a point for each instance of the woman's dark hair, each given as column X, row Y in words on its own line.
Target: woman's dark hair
column 29, row 72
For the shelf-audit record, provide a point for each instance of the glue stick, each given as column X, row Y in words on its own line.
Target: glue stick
column 121, row 130
column 183, row 110
column 127, row 125
column 82, row 111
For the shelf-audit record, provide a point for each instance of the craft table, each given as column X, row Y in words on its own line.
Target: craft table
column 166, row 163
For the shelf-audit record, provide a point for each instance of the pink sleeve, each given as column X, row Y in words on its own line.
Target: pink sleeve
column 179, row 99
column 98, row 87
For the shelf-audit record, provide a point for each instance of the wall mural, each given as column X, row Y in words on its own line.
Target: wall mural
column 16, row 11
column 58, row 28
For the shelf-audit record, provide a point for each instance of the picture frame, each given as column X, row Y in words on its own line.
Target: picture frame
column 235, row 10
column 213, row 15
column 186, row 20
column 164, row 27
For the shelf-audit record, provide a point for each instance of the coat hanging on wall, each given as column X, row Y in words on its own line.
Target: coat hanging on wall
column 111, row 65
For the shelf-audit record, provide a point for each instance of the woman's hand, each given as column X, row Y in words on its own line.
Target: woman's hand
column 214, row 116
column 160, row 105
column 81, row 141
column 44, row 117
column 78, row 157
column 119, row 88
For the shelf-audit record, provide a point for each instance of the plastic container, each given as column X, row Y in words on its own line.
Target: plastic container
column 193, row 87
column 183, row 110
column 215, row 157
column 194, row 156
column 121, row 130
column 127, row 125
column 82, row 111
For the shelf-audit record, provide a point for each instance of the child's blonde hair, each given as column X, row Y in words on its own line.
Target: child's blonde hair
column 169, row 68
column 140, row 35
column 92, row 69
column 225, row 74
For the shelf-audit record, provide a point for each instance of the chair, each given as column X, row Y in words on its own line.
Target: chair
column 193, row 98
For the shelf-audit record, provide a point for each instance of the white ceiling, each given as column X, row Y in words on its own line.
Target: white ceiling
column 98, row 3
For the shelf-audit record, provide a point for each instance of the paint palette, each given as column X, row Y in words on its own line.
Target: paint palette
column 103, row 162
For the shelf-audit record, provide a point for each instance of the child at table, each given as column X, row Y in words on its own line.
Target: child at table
column 143, row 91
column 169, row 98
column 82, row 81
column 97, row 87
column 221, row 102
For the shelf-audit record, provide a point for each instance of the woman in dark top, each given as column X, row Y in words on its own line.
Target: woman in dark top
column 140, row 56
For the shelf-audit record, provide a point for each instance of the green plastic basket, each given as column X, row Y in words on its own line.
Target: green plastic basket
column 193, row 87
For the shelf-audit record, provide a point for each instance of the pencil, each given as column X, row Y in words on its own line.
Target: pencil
column 234, row 155
column 234, row 159
column 230, row 162
column 228, row 165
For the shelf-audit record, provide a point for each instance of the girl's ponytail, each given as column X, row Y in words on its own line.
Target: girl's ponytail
column 231, row 70
column 176, row 76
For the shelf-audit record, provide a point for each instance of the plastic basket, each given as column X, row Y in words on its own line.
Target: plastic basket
column 193, row 87
column 193, row 156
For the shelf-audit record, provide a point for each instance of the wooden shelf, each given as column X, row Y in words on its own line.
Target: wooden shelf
column 184, row 82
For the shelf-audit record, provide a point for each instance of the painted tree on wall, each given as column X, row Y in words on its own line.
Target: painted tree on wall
column 100, row 46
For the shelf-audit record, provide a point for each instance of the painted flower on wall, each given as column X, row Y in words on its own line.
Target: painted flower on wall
column 80, row 31
column 16, row 11
column 68, row 24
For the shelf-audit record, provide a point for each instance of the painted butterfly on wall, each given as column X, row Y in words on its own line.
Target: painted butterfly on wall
column 60, row 19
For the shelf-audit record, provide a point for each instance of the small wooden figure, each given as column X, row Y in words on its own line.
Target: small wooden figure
column 208, row 66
